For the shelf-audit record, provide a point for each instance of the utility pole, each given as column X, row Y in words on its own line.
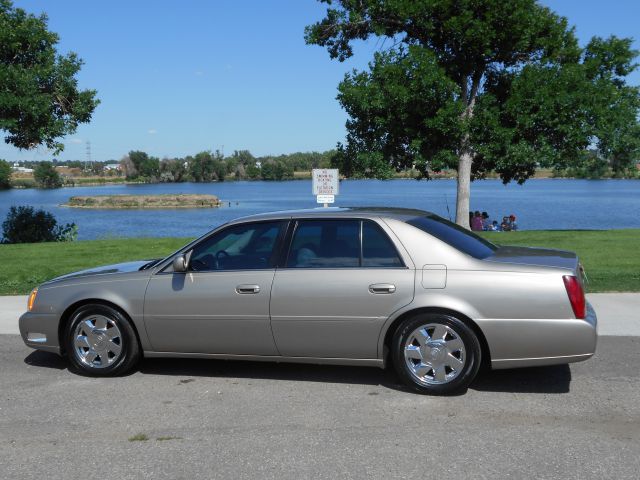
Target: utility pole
column 87, row 163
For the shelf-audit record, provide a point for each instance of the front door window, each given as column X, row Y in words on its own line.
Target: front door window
column 240, row 247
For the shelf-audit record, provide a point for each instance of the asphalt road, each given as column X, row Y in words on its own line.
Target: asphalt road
column 217, row 419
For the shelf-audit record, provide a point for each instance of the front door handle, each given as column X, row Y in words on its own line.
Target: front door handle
column 382, row 288
column 243, row 289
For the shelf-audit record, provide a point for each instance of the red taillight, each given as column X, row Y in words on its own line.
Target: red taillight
column 576, row 296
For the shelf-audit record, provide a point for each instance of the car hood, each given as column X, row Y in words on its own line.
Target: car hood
column 126, row 267
column 544, row 257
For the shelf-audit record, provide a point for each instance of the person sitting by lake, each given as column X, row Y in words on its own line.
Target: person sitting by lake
column 494, row 227
column 486, row 222
column 476, row 222
column 513, row 226
column 505, row 226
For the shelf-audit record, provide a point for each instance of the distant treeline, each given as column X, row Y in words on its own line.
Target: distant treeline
column 206, row 166
column 213, row 166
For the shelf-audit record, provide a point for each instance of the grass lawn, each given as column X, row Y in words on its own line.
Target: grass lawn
column 611, row 257
column 24, row 266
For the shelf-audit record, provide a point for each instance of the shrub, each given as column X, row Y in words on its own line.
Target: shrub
column 5, row 174
column 26, row 225
column 46, row 176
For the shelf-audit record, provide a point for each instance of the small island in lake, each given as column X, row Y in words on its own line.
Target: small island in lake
column 144, row 201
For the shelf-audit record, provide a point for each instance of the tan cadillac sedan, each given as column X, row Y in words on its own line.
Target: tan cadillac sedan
column 350, row 286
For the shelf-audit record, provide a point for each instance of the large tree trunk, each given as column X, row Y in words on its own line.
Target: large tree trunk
column 464, row 188
column 466, row 153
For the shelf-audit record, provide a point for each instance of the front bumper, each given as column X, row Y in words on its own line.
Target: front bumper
column 40, row 331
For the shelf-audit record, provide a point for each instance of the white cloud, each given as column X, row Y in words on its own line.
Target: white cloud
column 199, row 73
column 152, row 131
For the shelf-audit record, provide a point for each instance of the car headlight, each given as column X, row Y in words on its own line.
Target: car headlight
column 32, row 299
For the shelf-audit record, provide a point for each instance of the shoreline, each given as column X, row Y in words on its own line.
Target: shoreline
column 300, row 177
column 144, row 202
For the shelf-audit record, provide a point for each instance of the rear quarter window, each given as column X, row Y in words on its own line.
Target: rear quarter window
column 458, row 237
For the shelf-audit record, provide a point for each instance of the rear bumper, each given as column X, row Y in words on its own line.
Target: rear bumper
column 537, row 342
column 40, row 331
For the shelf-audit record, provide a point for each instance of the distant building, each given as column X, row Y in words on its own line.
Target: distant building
column 112, row 166
column 18, row 168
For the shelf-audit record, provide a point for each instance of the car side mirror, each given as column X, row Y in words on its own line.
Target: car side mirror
column 180, row 264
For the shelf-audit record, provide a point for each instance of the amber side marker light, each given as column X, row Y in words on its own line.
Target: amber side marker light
column 32, row 299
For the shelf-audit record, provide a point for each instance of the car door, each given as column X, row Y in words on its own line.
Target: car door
column 221, row 303
column 341, row 280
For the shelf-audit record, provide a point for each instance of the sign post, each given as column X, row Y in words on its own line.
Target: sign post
column 325, row 185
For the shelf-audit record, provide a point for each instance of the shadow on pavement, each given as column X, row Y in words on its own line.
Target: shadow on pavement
column 270, row 371
column 555, row 379
column 38, row 358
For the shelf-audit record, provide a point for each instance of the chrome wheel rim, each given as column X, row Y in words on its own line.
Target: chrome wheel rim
column 97, row 341
column 434, row 354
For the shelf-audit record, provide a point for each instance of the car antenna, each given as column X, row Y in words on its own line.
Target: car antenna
column 446, row 201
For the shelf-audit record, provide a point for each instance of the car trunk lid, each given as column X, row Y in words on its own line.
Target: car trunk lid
column 544, row 257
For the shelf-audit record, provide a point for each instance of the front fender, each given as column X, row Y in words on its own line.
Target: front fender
column 125, row 294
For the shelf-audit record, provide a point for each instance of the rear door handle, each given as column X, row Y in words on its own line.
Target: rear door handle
column 244, row 289
column 382, row 288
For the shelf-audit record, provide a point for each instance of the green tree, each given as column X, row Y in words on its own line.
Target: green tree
column 173, row 170
column 252, row 171
column 40, row 100
column 238, row 162
column 479, row 86
column 276, row 170
column 243, row 157
column 5, row 175
column 201, row 167
column 207, row 166
column 144, row 165
column 46, row 176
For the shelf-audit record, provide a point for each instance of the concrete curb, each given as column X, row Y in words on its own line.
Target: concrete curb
column 618, row 313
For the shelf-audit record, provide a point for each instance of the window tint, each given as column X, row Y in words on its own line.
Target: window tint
column 377, row 248
column 325, row 244
column 239, row 247
column 454, row 235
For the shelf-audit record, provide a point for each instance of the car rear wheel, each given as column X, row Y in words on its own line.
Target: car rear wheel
column 436, row 354
column 101, row 341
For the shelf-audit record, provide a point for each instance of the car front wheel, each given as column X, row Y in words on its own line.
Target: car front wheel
column 436, row 354
column 101, row 341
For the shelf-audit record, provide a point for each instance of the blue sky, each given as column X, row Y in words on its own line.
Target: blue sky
column 176, row 78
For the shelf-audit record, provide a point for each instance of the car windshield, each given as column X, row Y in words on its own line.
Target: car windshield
column 454, row 235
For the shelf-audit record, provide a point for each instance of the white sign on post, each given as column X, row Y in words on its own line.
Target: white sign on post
column 325, row 184
column 326, row 198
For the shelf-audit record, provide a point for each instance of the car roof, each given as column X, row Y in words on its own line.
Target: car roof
column 333, row 212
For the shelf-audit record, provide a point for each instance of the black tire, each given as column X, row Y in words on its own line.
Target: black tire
column 129, row 350
column 470, row 356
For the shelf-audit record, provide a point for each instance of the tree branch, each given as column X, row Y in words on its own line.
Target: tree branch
column 475, row 86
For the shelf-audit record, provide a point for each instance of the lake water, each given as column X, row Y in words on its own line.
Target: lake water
column 539, row 204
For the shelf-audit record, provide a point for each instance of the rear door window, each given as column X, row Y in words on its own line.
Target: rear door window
column 341, row 244
column 325, row 244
